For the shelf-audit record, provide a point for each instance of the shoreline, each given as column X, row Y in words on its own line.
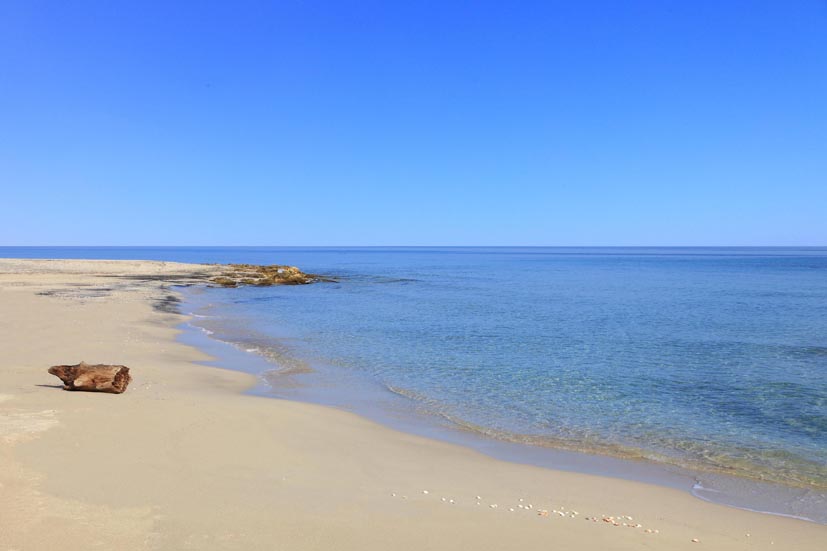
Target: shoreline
column 186, row 460
column 375, row 404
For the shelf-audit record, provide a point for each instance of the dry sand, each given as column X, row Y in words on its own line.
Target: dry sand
column 184, row 460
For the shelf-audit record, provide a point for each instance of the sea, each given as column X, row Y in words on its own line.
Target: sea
column 698, row 368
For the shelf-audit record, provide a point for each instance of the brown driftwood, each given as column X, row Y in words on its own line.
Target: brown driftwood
column 93, row 378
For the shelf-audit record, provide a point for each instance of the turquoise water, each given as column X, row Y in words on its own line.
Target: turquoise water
column 712, row 359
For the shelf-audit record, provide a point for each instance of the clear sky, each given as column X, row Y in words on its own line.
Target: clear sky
column 302, row 122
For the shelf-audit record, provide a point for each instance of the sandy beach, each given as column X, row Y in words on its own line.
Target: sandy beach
column 185, row 460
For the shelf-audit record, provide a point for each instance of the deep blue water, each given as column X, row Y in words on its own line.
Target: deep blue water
column 714, row 359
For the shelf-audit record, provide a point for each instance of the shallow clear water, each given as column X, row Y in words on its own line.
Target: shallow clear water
column 713, row 359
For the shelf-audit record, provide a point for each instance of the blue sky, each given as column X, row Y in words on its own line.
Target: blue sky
column 413, row 123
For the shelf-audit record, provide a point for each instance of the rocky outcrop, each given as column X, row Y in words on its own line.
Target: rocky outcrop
column 263, row 276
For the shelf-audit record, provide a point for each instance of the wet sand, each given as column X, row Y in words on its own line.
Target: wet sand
column 185, row 460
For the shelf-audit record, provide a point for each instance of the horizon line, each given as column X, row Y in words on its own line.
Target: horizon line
column 421, row 246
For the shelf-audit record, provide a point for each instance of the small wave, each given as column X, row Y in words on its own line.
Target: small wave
column 742, row 463
column 698, row 490
column 388, row 279
column 578, row 443
column 698, row 487
column 280, row 356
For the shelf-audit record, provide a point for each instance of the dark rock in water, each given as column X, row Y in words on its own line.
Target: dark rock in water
column 94, row 378
column 275, row 274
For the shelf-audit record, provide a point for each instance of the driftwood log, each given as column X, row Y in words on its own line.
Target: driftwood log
column 93, row 378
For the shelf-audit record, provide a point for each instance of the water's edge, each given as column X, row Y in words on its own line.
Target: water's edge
column 721, row 489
